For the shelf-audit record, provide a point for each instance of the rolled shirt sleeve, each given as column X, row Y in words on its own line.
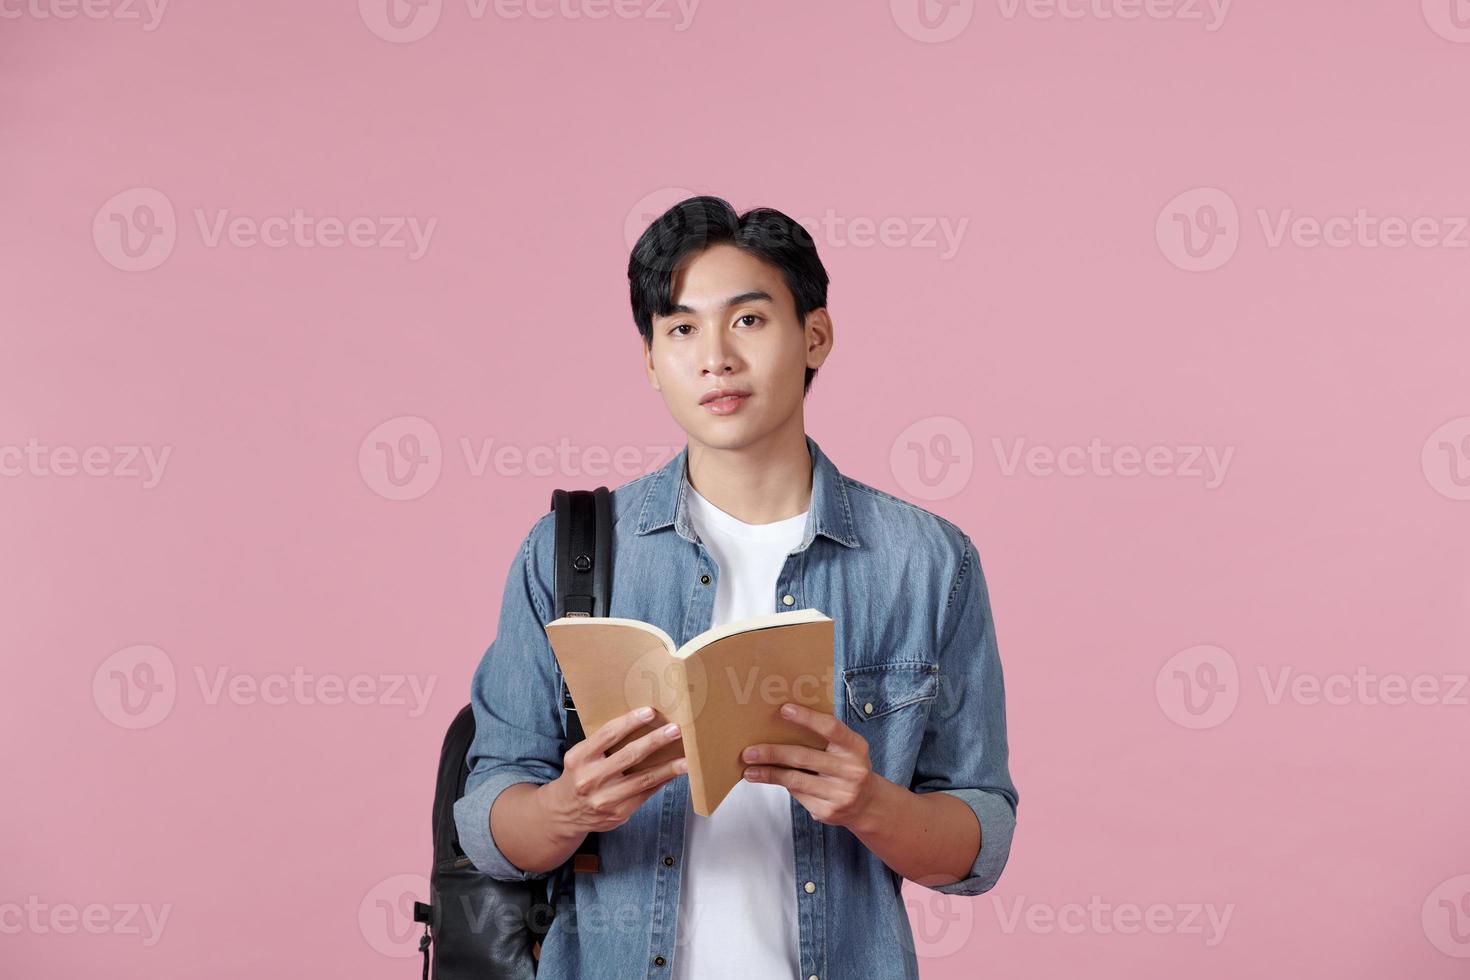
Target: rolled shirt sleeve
column 964, row 751
column 515, row 694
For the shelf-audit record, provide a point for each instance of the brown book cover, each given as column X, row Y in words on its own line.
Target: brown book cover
column 725, row 687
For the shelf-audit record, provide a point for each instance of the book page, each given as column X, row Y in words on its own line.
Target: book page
column 614, row 665
column 745, row 625
column 736, row 684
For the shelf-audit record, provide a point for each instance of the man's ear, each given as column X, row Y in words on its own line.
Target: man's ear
column 648, row 363
column 818, row 337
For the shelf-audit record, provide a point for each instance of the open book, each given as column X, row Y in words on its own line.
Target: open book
column 725, row 687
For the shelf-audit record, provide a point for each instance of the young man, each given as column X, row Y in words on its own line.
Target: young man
column 798, row 872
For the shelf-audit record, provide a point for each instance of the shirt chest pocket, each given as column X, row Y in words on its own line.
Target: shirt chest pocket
column 879, row 690
column 888, row 705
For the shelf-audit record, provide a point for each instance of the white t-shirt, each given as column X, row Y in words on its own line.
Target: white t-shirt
column 737, row 906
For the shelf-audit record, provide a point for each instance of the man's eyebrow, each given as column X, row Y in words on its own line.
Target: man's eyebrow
column 748, row 296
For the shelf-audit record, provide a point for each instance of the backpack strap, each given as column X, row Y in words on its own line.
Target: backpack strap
column 583, row 551
column 425, row 913
column 583, row 588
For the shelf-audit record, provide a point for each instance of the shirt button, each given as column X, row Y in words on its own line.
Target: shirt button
column 787, row 599
column 810, row 887
column 668, row 860
column 812, row 977
column 658, row 961
column 704, row 580
column 868, row 708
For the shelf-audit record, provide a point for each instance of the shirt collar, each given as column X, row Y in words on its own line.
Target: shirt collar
column 829, row 515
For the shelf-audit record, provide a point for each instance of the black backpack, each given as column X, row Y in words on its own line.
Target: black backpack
column 476, row 927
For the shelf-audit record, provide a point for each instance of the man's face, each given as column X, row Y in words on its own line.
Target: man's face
column 734, row 326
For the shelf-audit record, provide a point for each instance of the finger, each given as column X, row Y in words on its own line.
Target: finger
column 797, row 782
column 792, row 757
column 647, row 782
column 631, row 805
column 616, row 730
column 635, row 751
column 820, row 722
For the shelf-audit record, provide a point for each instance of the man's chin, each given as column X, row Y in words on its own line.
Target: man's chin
column 725, row 434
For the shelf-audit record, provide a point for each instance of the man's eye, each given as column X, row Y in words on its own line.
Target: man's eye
column 750, row 316
column 681, row 326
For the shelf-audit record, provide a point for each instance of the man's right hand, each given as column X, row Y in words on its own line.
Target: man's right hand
column 592, row 793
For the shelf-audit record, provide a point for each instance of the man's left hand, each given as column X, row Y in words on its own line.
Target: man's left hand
column 837, row 784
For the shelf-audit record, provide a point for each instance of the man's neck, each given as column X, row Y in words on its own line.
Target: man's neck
column 759, row 484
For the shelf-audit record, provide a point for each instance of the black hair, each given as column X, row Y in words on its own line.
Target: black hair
column 695, row 224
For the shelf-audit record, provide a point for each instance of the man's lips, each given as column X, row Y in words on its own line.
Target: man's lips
column 722, row 394
column 726, row 403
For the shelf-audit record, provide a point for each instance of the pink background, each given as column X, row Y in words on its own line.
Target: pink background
column 276, row 835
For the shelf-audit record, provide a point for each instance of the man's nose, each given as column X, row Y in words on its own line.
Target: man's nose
column 719, row 357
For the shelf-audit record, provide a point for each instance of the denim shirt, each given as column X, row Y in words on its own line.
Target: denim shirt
column 916, row 674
